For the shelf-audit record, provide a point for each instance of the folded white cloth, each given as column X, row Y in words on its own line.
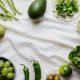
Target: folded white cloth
column 48, row 41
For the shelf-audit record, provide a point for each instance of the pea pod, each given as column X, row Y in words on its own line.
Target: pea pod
column 37, row 70
column 26, row 72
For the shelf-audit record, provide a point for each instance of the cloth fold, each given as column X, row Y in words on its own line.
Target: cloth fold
column 49, row 41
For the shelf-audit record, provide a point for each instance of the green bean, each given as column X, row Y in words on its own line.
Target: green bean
column 26, row 72
column 11, row 6
column 37, row 70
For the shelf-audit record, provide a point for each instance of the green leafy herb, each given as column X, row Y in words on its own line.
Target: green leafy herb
column 74, row 56
column 66, row 8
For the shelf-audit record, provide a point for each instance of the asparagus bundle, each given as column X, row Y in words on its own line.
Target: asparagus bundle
column 7, row 14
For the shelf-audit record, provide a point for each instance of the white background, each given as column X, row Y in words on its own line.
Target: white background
column 48, row 41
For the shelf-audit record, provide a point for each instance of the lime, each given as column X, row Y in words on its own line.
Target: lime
column 65, row 70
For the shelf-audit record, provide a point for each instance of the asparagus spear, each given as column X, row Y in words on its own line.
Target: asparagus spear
column 5, row 17
column 4, row 8
column 2, row 2
column 8, row 16
column 13, row 7
column 8, row 13
column 10, row 4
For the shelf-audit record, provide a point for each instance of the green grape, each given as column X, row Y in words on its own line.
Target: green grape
column 1, row 63
column 10, row 75
column 10, row 69
column 7, row 64
column 4, row 71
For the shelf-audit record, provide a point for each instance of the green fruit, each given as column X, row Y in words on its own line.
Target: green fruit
column 10, row 69
column 1, row 63
column 37, row 9
column 7, row 64
column 2, row 31
column 65, row 70
column 4, row 71
column 10, row 75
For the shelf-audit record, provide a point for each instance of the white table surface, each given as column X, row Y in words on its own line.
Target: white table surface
column 48, row 41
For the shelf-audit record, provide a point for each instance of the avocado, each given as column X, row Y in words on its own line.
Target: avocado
column 37, row 9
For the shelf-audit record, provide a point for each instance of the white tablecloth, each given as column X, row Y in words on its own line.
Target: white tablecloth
column 48, row 41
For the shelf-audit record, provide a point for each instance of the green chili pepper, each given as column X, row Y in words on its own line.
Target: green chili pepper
column 37, row 70
column 26, row 72
column 11, row 6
